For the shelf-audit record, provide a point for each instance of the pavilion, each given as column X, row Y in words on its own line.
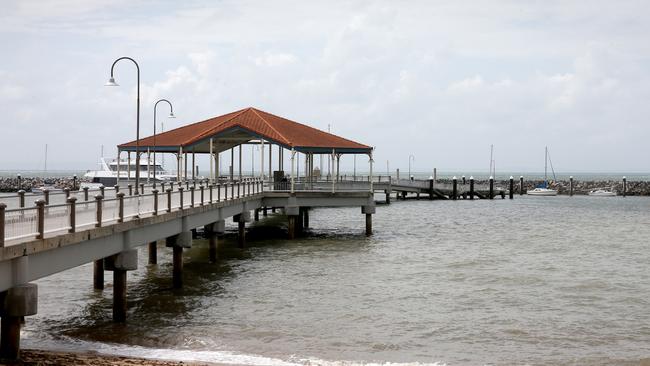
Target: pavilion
column 246, row 126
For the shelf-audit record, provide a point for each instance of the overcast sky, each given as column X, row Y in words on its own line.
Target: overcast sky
column 441, row 80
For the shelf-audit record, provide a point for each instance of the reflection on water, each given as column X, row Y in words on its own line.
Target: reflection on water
column 536, row 280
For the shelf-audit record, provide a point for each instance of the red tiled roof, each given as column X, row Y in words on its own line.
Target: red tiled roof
column 259, row 123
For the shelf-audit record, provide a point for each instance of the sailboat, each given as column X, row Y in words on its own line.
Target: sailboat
column 542, row 189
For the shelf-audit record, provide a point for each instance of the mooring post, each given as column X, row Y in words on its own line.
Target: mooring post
column 21, row 198
column 119, row 264
column 431, row 187
column 67, row 192
column 491, row 187
column 454, row 188
column 471, row 188
column 512, row 187
column 46, row 196
column 571, row 186
column 624, row 186
column 521, row 185
column 85, row 189
column 130, row 186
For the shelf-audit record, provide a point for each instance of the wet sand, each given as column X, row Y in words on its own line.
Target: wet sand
column 50, row 358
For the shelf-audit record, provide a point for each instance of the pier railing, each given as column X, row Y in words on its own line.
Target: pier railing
column 41, row 220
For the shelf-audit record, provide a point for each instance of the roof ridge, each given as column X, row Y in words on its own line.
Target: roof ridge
column 271, row 127
column 236, row 114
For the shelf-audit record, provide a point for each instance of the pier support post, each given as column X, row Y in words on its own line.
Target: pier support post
column 431, row 188
column 368, row 211
column 98, row 274
column 521, row 185
column 177, row 243
column 212, row 231
column 257, row 214
column 512, row 187
column 624, row 186
column 305, row 217
column 121, row 263
column 387, row 192
column 491, row 187
column 292, row 213
column 571, row 186
column 15, row 304
column 241, row 220
column 471, row 188
column 153, row 252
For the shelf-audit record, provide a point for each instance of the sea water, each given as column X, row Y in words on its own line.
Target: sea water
column 534, row 280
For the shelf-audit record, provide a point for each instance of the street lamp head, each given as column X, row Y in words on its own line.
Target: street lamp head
column 171, row 115
column 111, row 82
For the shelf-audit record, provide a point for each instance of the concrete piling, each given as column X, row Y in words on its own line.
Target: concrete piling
column 177, row 243
column 212, row 231
column 153, row 252
column 368, row 211
column 15, row 304
column 177, row 263
column 98, row 274
column 121, row 263
column 305, row 217
column 257, row 214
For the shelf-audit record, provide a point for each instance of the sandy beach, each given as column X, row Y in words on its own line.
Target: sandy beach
column 30, row 357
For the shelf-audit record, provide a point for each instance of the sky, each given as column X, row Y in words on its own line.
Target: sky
column 439, row 80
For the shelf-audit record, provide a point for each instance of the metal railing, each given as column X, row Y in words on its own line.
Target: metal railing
column 42, row 220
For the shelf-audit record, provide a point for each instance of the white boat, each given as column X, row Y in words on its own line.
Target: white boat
column 108, row 173
column 602, row 193
column 543, row 190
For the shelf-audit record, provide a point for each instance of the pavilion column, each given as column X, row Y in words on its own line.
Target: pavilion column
column 240, row 159
column 338, row 167
column 193, row 165
column 270, row 161
column 178, row 164
column 211, row 163
column 293, row 164
column 119, row 153
column 128, row 167
column 217, row 167
column 185, row 163
column 262, row 159
column 232, row 164
column 148, row 164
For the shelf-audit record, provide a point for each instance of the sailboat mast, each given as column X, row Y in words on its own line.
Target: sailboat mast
column 545, row 164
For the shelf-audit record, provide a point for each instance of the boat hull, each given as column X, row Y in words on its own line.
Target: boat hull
column 542, row 192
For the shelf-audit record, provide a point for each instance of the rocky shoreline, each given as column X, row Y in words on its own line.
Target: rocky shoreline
column 635, row 188
column 13, row 184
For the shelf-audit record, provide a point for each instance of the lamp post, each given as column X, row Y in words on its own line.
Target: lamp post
column 411, row 157
column 171, row 115
column 111, row 82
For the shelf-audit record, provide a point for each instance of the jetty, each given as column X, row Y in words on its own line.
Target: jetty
column 42, row 234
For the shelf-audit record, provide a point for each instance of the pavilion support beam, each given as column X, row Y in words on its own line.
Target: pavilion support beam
column 232, row 164
column 193, row 165
column 270, row 161
column 185, row 162
column 211, row 162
